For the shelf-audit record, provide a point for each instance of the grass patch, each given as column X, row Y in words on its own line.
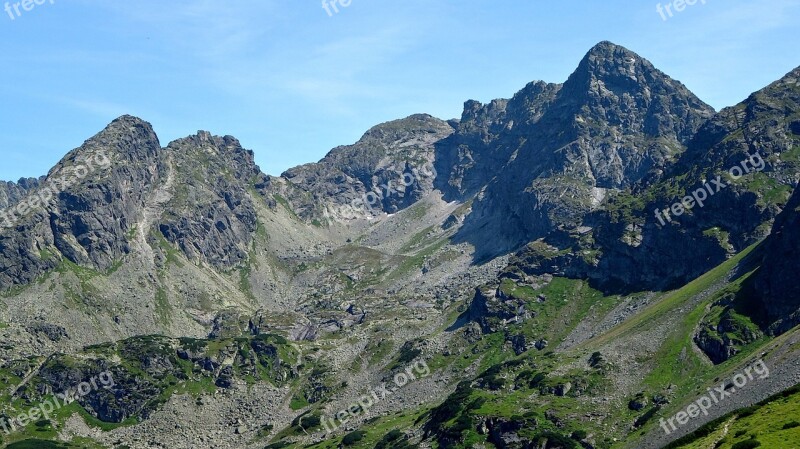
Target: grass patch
column 770, row 421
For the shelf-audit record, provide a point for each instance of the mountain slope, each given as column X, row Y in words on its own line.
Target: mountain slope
column 778, row 293
column 87, row 221
column 507, row 265
column 616, row 121
column 389, row 169
column 12, row 192
column 625, row 246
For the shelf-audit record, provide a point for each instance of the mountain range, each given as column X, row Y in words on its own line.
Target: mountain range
column 521, row 254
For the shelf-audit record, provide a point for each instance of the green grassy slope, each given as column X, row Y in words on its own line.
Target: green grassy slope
column 771, row 424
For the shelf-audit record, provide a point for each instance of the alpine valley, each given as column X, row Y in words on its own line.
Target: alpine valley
column 502, row 280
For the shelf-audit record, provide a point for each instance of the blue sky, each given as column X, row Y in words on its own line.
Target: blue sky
column 292, row 82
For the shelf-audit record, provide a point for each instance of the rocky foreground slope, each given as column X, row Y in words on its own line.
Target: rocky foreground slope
column 520, row 277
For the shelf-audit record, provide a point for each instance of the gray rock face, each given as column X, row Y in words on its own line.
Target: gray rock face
column 616, row 121
column 53, row 332
column 389, row 169
column 87, row 220
column 504, row 433
column 12, row 192
column 485, row 139
column 492, row 310
column 628, row 249
column 725, row 340
column 776, row 283
column 203, row 181
column 211, row 217
column 90, row 222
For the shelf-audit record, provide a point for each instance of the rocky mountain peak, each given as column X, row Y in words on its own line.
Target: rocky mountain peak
column 126, row 139
column 12, row 192
column 612, row 73
column 378, row 160
column 791, row 79
column 207, row 138
column 125, row 125
column 479, row 115
column 610, row 63
column 222, row 151
column 608, row 54
column 616, row 121
column 411, row 127
column 127, row 120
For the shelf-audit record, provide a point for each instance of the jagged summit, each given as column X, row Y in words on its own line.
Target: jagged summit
column 606, row 59
column 126, row 125
column 791, row 79
column 225, row 146
column 125, row 139
column 129, row 120
column 609, row 50
column 382, row 156
column 616, row 121
column 610, row 68
column 411, row 124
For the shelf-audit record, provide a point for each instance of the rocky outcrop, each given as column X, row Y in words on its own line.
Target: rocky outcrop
column 53, row 332
column 211, row 217
column 625, row 247
column 519, row 433
column 725, row 339
column 146, row 370
column 493, row 309
column 122, row 394
column 616, row 121
column 96, row 195
column 12, row 192
column 776, row 286
column 387, row 170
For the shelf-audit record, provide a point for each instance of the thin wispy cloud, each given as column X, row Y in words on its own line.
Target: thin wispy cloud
column 281, row 74
column 756, row 16
column 99, row 108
